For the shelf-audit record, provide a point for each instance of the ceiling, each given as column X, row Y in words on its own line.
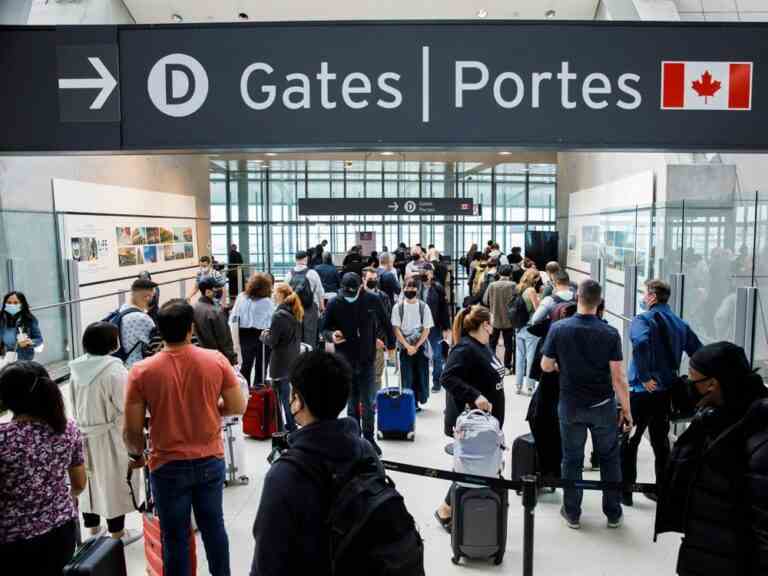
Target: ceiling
column 162, row 11
column 723, row 10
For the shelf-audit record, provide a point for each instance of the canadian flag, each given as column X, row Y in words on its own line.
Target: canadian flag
column 706, row 85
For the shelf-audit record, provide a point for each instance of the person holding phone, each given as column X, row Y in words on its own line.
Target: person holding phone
column 19, row 329
column 473, row 377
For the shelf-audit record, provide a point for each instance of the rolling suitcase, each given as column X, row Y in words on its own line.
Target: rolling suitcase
column 98, row 557
column 260, row 418
column 525, row 461
column 479, row 526
column 396, row 410
column 234, row 443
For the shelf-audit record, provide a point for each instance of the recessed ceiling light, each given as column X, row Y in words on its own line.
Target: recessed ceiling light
column 482, row 13
column 550, row 14
column 387, row 153
column 177, row 17
column 243, row 16
column 505, row 153
column 271, row 154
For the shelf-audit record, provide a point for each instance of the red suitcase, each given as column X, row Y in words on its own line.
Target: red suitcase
column 260, row 419
column 153, row 546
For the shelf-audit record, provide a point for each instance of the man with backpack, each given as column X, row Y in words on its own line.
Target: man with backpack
column 562, row 295
column 497, row 298
column 135, row 326
column 320, row 477
column 371, row 285
column 307, row 285
column 412, row 321
column 659, row 338
column 433, row 293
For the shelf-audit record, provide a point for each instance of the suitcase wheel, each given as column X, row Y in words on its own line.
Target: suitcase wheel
column 411, row 436
column 244, row 479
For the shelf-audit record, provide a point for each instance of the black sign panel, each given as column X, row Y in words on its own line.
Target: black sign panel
column 87, row 83
column 388, row 85
column 393, row 206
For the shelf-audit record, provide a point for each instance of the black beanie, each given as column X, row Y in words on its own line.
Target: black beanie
column 721, row 360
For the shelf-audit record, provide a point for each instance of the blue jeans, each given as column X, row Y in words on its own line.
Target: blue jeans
column 415, row 374
column 602, row 423
column 283, row 389
column 435, row 341
column 363, row 393
column 180, row 487
column 525, row 350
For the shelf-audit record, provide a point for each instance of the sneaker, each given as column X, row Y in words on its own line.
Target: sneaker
column 519, row 390
column 616, row 523
column 436, row 388
column 530, row 390
column 626, row 499
column 570, row 522
column 131, row 536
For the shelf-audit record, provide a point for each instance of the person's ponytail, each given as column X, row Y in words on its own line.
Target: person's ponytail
column 296, row 307
column 457, row 331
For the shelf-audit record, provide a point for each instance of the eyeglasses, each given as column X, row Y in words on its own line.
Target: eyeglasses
column 699, row 381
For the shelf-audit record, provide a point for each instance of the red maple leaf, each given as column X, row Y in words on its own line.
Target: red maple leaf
column 706, row 87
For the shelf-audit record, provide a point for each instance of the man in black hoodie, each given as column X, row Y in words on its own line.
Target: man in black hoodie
column 351, row 322
column 291, row 529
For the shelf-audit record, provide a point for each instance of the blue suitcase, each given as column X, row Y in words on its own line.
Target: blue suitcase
column 396, row 412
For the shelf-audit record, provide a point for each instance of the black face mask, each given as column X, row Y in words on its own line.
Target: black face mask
column 371, row 284
column 410, row 294
column 693, row 393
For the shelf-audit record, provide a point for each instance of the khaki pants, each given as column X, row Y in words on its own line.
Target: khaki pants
column 379, row 367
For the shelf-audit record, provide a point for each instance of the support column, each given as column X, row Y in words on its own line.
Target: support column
column 241, row 189
column 449, row 232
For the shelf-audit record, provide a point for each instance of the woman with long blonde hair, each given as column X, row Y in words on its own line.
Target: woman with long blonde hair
column 525, row 342
column 284, row 338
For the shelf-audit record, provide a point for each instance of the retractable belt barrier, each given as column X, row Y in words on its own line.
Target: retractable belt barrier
column 529, row 487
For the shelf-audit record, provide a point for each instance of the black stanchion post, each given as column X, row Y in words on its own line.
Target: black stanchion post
column 530, row 497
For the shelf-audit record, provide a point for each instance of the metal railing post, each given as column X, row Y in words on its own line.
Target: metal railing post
column 530, row 498
column 746, row 309
column 75, row 318
column 677, row 285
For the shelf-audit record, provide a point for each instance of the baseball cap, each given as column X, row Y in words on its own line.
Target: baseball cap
column 143, row 284
column 208, row 283
column 350, row 284
column 301, row 254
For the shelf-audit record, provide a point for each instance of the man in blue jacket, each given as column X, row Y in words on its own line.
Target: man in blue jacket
column 659, row 338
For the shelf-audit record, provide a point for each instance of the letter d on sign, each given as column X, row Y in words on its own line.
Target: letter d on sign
column 177, row 85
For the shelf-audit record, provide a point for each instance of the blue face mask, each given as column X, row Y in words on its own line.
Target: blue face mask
column 13, row 309
column 350, row 299
column 643, row 305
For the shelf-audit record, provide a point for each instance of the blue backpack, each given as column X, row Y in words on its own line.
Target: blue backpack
column 116, row 317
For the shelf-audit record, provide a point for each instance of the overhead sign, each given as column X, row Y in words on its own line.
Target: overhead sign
column 383, row 206
column 376, row 84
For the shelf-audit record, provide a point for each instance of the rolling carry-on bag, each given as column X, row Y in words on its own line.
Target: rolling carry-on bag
column 98, row 557
column 479, row 526
column 234, row 442
column 525, row 461
column 260, row 418
column 395, row 410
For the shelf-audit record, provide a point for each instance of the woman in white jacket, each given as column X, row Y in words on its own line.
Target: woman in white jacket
column 97, row 391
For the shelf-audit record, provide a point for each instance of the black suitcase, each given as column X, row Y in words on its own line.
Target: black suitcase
column 479, row 527
column 525, row 461
column 98, row 557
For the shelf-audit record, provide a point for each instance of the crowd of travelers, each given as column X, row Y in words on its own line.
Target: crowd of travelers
column 323, row 338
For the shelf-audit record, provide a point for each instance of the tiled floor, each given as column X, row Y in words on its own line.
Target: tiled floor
column 592, row 551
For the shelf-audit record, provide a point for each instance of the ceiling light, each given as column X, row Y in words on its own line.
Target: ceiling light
column 505, row 153
column 243, row 16
column 550, row 14
column 387, row 153
column 482, row 13
column 177, row 17
column 271, row 154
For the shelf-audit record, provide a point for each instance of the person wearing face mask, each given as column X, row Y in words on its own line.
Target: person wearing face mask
column 207, row 271
column 473, row 377
column 415, row 266
column 19, row 329
column 659, row 339
column 97, row 395
column 211, row 327
column 293, row 501
column 433, row 293
column 412, row 322
column 715, row 487
column 136, row 327
column 350, row 322
column 371, row 283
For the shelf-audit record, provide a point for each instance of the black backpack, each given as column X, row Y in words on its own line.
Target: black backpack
column 517, row 312
column 369, row 527
column 116, row 317
column 300, row 284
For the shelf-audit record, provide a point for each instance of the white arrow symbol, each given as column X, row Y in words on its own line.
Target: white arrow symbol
column 394, row 206
column 105, row 81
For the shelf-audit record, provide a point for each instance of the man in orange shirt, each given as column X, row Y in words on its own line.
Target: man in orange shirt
column 186, row 390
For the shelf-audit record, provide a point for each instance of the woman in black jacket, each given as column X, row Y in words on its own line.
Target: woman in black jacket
column 715, row 488
column 284, row 338
column 473, row 376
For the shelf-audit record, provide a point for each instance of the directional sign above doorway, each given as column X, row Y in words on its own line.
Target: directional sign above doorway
column 383, row 206
column 87, row 80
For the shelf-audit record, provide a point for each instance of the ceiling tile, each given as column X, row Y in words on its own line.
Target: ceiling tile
column 689, row 6
column 722, row 16
column 692, row 17
column 719, row 5
column 752, row 5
